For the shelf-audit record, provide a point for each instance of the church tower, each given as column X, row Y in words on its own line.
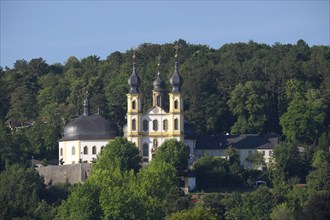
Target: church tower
column 176, row 103
column 134, row 108
column 158, row 91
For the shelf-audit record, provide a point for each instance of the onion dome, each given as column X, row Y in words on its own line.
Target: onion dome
column 176, row 81
column 134, row 81
column 159, row 84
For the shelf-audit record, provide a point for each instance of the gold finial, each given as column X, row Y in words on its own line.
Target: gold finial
column 176, row 47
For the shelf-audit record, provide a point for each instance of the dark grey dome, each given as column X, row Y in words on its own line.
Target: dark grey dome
column 134, row 81
column 91, row 127
column 176, row 81
column 159, row 84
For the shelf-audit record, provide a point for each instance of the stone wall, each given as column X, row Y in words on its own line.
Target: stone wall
column 73, row 173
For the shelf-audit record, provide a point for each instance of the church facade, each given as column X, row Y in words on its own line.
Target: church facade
column 148, row 130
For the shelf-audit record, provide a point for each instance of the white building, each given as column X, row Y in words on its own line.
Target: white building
column 85, row 137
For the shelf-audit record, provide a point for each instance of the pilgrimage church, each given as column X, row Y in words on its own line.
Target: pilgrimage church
column 85, row 137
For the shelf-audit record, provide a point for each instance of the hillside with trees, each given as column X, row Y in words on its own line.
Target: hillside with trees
column 238, row 88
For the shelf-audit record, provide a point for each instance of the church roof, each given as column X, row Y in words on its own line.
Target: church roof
column 134, row 81
column 176, row 80
column 90, row 127
column 243, row 141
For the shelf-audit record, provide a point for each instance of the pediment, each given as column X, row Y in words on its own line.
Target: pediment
column 155, row 110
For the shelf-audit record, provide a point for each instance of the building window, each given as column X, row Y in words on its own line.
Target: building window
column 145, row 150
column 133, row 104
column 176, row 124
column 155, row 125
column 85, row 150
column 94, row 150
column 102, row 148
column 73, row 151
column 61, row 152
column 145, row 125
column 271, row 153
column 263, row 153
column 134, row 124
column 165, row 125
column 176, row 104
column 159, row 100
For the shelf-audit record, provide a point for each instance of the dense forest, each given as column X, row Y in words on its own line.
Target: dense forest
column 238, row 88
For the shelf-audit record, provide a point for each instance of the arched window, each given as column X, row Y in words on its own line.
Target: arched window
column 159, row 101
column 85, row 150
column 145, row 150
column 61, row 152
column 94, row 150
column 176, row 104
column 102, row 148
column 133, row 104
column 134, row 124
column 145, row 125
column 155, row 125
column 176, row 124
column 165, row 125
column 73, row 151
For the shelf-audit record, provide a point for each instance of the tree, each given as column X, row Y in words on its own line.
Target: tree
column 175, row 153
column 319, row 178
column 303, row 121
column 288, row 165
column 248, row 102
column 214, row 202
column 175, row 202
column 211, row 172
column 20, row 192
column 193, row 214
column 119, row 152
column 318, row 207
column 257, row 159
column 83, row 203
column 282, row 212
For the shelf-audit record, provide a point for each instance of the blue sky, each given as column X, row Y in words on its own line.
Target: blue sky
column 55, row 30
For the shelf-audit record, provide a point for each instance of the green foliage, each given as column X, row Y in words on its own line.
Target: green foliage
column 248, row 103
column 319, row 178
column 318, row 207
column 214, row 202
column 193, row 214
column 83, row 203
column 303, row 121
column 282, row 212
column 175, row 202
column 174, row 153
column 20, row 191
column 288, row 165
column 119, row 153
column 254, row 205
column 257, row 159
